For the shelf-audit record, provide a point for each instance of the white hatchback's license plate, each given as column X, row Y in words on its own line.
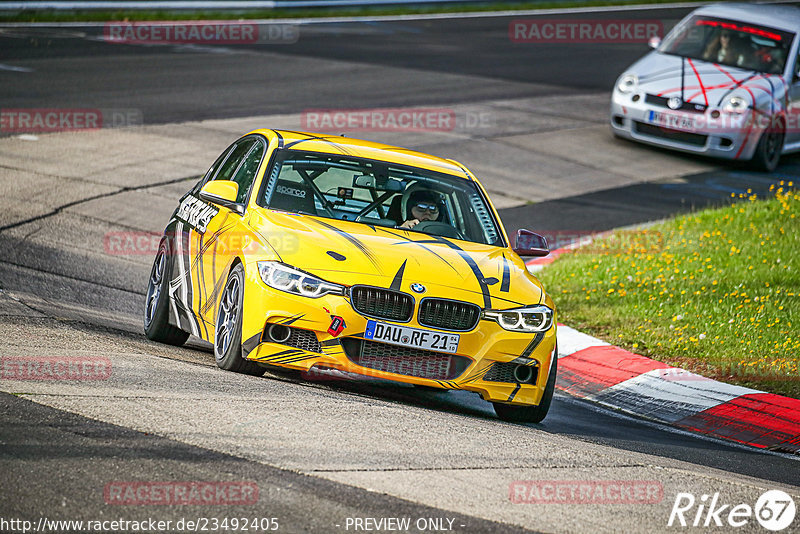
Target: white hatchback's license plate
column 671, row 120
column 411, row 337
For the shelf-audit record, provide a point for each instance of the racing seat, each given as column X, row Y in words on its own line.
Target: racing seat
column 293, row 196
column 394, row 211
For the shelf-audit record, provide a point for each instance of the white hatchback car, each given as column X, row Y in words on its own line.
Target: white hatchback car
column 725, row 82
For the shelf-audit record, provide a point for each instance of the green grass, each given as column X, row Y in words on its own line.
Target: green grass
column 716, row 292
column 134, row 15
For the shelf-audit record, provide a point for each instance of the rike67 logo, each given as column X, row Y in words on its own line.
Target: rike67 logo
column 774, row 510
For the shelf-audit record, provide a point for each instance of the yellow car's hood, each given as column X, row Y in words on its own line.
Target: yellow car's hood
column 353, row 253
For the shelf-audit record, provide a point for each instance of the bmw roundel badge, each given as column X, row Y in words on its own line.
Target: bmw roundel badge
column 416, row 287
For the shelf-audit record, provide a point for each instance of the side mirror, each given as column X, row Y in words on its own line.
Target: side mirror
column 531, row 244
column 222, row 193
column 654, row 42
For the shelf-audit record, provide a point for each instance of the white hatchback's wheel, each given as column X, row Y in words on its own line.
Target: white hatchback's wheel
column 769, row 148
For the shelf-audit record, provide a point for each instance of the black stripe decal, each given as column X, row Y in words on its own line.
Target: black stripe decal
column 292, row 319
column 519, row 360
column 187, row 268
column 250, row 345
column 302, row 358
column 295, row 358
column 355, row 242
column 479, row 374
column 421, row 244
column 198, row 261
column 513, row 393
column 476, row 271
column 326, row 139
column 212, row 298
column 504, row 286
column 398, row 278
column 532, row 345
column 276, row 355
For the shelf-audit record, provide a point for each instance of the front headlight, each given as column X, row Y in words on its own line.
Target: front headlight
column 529, row 319
column 628, row 83
column 285, row 278
column 735, row 104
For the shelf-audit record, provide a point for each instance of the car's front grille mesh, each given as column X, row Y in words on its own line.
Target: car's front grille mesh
column 404, row 360
column 663, row 102
column 688, row 138
column 448, row 314
column 304, row 339
column 382, row 303
column 504, row 372
column 299, row 339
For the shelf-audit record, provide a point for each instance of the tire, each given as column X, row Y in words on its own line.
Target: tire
column 156, row 304
column 228, row 331
column 531, row 414
column 768, row 151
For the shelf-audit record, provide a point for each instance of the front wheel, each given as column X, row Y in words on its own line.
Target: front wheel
column 769, row 148
column 228, row 331
column 156, row 305
column 531, row 414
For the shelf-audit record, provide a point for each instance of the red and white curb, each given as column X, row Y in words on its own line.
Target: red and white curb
column 592, row 369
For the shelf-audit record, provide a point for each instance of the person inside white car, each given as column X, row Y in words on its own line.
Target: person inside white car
column 726, row 48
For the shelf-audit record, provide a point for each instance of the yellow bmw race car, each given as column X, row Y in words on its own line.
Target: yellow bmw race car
column 315, row 252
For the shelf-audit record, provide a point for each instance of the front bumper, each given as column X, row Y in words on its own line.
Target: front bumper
column 726, row 136
column 484, row 362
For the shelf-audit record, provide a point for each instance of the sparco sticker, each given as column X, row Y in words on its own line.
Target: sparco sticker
column 197, row 213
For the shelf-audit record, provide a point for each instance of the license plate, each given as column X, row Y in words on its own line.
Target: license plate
column 671, row 120
column 411, row 337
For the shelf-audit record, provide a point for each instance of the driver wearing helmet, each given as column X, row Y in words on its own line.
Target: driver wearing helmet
column 423, row 205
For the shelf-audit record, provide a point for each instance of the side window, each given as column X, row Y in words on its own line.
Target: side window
column 292, row 193
column 248, row 169
column 231, row 164
column 796, row 69
column 210, row 172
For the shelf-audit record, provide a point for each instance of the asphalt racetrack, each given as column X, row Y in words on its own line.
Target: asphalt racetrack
column 325, row 456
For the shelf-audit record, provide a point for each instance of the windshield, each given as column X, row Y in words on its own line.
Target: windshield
column 731, row 43
column 380, row 194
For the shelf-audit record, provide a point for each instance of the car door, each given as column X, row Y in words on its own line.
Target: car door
column 202, row 236
column 225, row 235
column 793, row 108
